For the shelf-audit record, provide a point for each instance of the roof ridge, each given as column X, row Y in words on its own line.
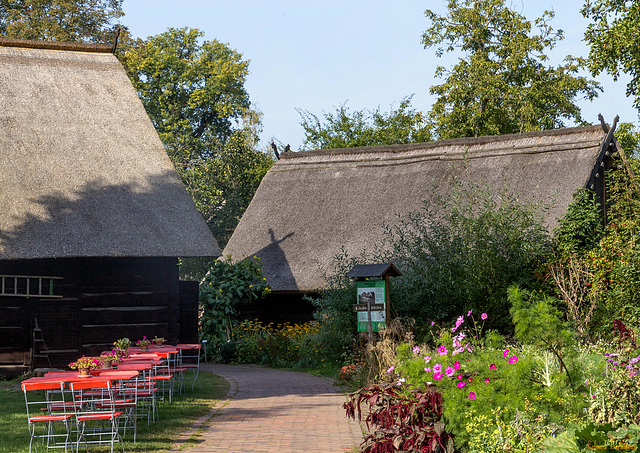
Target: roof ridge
column 56, row 45
column 440, row 143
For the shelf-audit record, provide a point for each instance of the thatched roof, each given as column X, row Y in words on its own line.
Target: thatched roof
column 82, row 170
column 312, row 204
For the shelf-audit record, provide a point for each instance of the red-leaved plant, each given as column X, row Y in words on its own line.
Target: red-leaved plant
column 400, row 422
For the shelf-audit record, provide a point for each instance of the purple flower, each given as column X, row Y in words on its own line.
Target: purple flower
column 416, row 350
column 437, row 376
column 437, row 368
column 513, row 359
column 469, row 312
column 472, row 396
column 461, row 384
column 493, row 367
column 483, row 316
column 390, row 370
column 449, row 371
column 456, row 366
column 432, row 323
column 427, row 369
column 505, row 352
column 427, row 359
column 442, row 350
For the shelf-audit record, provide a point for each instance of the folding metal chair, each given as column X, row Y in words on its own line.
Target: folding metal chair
column 190, row 361
column 125, row 399
column 163, row 375
column 96, row 417
column 47, row 408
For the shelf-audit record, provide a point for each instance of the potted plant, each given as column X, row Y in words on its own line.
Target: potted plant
column 159, row 340
column 109, row 358
column 123, row 344
column 121, row 353
column 144, row 343
column 85, row 364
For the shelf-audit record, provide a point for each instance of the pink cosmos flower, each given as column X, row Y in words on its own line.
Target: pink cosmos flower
column 513, row 359
column 459, row 376
column 470, row 380
column 449, row 371
column 416, row 350
column 432, row 323
column 486, row 381
column 390, row 370
column 442, row 350
column 483, row 316
column 437, row 376
column 456, row 366
column 428, row 369
column 437, row 368
column 472, row 396
column 505, row 352
column 461, row 384
column 493, row 367
column 427, row 359
column 469, row 312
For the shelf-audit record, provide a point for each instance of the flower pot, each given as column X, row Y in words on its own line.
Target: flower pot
column 158, row 343
column 144, row 347
column 106, row 364
column 84, row 371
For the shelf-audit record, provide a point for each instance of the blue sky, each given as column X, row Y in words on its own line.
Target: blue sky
column 317, row 55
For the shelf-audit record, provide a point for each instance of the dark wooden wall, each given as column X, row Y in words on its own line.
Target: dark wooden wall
column 103, row 299
column 279, row 308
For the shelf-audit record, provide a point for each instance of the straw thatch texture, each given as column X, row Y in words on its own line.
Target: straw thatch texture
column 312, row 204
column 82, row 170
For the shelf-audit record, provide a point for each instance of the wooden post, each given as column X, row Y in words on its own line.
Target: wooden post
column 387, row 300
column 369, row 322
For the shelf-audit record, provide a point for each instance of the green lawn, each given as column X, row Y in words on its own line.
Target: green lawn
column 175, row 417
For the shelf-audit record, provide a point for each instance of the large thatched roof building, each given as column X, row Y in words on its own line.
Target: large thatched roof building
column 313, row 204
column 89, row 198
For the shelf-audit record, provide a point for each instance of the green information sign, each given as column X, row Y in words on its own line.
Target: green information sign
column 372, row 291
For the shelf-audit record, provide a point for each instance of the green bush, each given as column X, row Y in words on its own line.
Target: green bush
column 464, row 250
column 500, row 395
column 223, row 288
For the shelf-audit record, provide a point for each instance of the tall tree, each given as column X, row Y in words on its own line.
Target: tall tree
column 194, row 93
column 343, row 129
column 501, row 84
column 614, row 37
column 59, row 20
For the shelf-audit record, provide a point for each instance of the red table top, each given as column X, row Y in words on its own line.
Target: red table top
column 74, row 376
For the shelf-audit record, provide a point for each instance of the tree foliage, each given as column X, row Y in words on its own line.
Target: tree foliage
column 343, row 129
column 59, row 20
column 614, row 37
column 194, row 93
column 502, row 83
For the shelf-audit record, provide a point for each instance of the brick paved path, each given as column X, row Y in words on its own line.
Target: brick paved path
column 276, row 411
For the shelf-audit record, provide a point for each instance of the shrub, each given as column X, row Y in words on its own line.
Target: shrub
column 225, row 286
column 463, row 250
column 490, row 387
column 278, row 345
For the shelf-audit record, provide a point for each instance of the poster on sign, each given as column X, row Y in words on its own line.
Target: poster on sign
column 372, row 291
